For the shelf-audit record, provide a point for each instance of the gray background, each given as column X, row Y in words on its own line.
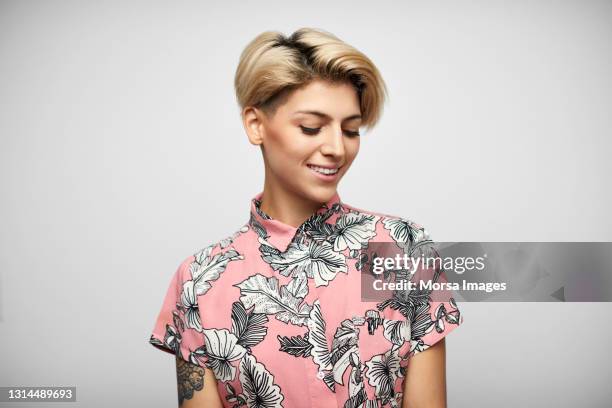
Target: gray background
column 122, row 152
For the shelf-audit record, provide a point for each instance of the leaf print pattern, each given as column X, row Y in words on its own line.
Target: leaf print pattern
column 298, row 286
column 357, row 394
column 343, row 363
column 206, row 268
column 249, row 327
column 258, row 385
column 318, row 340
column 317, row 259
column 257, row 227
column 343, row 346
column 345, row 337
column 255, row 357
column 261, row 213
column 297, row 346
column 268, row 298
column 316, row 227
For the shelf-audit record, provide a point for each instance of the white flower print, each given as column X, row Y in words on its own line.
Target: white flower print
column 221, row 348
column 404, row 232
column 383, row 370
column 354, row 230
column 189, row 305
column 397, row 331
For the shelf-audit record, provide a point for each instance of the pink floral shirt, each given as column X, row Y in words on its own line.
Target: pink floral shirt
column 276, row 312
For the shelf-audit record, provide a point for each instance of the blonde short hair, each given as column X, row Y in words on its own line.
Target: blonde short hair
column 272, row 65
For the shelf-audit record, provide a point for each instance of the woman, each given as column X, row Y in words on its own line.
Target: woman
column 273, row 315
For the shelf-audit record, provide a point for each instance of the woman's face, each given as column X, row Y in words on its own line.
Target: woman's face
column 311, row 141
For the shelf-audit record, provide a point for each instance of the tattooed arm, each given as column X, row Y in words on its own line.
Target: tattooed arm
column 196, row 386
column 425, row 382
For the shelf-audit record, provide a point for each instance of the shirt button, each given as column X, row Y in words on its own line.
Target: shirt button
column 321, row 375
column 311, row 324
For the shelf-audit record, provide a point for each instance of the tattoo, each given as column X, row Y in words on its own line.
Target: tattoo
column 189, row 378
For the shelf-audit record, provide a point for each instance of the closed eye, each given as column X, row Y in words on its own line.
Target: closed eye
column 310, row 131
column 314, row 131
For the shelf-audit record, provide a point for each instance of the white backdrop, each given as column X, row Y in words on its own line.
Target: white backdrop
column 118, row 120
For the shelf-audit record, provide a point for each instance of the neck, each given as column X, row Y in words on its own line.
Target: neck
column 286, row 206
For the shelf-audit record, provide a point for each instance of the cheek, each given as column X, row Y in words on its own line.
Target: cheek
column 281, row 146
column 289, row 144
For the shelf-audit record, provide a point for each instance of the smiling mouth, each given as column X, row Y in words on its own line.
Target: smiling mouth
column 328, row 171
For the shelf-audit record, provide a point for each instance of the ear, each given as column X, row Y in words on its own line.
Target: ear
column 253, row 125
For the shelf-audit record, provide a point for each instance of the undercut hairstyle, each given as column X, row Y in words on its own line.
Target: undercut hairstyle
column 273, row 65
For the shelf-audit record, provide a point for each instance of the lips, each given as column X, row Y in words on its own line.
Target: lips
column 326, row 170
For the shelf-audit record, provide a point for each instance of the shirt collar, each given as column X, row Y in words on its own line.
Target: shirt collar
column 280, row 234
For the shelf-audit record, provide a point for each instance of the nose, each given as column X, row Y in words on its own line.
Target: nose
column 333, row 143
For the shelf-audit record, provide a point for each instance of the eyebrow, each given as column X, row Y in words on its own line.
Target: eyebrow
column 326, row 116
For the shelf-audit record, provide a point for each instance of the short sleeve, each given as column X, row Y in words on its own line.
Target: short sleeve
column 178, row 329
column 435, row 312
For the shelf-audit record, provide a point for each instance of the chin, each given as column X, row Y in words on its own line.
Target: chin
column 320, row 193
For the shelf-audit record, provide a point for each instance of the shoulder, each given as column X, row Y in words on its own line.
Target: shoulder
column 217, row 252
column 400, row 228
